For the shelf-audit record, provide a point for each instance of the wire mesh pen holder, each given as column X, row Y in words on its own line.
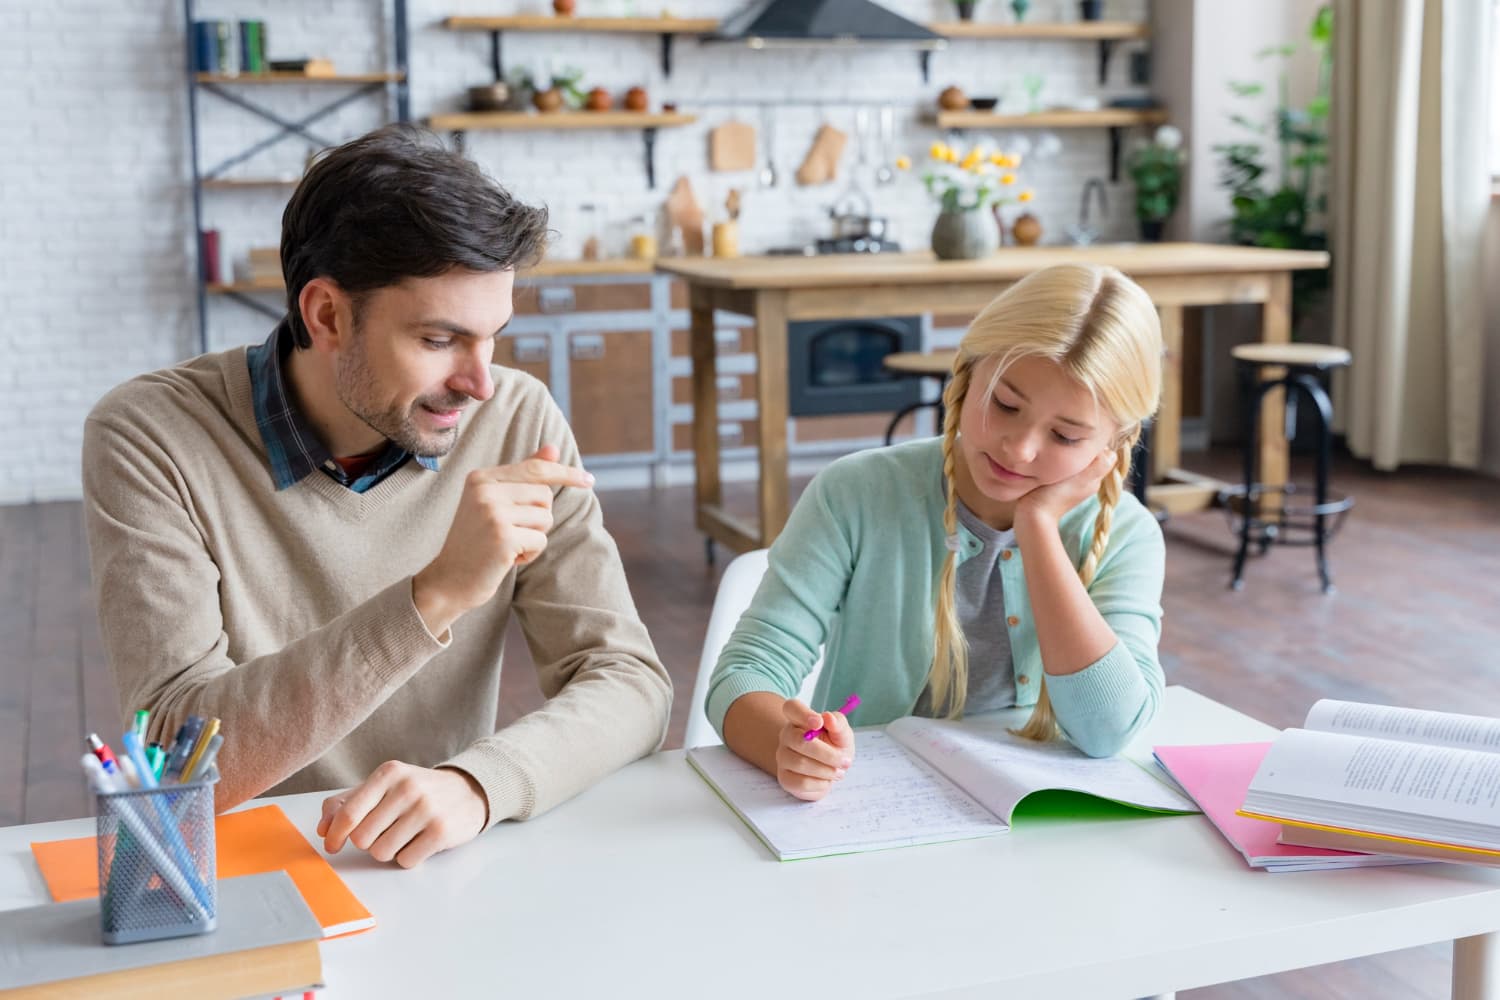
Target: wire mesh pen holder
column 157, row 862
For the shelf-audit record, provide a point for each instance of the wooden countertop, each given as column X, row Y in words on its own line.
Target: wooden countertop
column 585, row 268
column 1007, row 264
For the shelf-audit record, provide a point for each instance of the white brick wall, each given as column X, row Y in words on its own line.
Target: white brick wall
column 96, row 280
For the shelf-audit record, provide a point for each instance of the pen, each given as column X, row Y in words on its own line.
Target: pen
column 205, row 763
column 142, row 722
column 156, row 757
column 101, row 751
column 210, row 730
column 848, row 707
column 182, row 748
column 167, row 821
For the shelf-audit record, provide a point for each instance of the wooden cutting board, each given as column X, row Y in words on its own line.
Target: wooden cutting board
column 684, row 213
column 821, row 164
column 731, row 147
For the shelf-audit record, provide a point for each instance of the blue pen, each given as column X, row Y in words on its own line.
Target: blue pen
column 182, row 748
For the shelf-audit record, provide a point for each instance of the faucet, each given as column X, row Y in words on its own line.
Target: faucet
column 1083, row 234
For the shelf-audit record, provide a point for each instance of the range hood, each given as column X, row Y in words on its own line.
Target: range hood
column 767, row 23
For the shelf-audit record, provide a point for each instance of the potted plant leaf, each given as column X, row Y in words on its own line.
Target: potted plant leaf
column 1156, row 168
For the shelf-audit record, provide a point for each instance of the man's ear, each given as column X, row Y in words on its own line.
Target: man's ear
column 327, row 313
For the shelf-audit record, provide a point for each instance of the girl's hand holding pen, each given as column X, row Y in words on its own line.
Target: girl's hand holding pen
column 807, row 768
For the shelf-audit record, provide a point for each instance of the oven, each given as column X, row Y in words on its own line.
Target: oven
column 834, row 366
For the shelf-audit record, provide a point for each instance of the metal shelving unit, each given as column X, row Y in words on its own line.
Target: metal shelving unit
column 392, row 83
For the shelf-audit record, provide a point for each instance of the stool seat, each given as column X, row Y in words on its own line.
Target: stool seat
column 937, row 364
column 1318, row 356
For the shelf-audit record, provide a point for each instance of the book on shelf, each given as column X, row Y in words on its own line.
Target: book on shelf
column 252, row 46
column 923, row 781
column 266, row 944
column 1217, row 777
column 1387, row 775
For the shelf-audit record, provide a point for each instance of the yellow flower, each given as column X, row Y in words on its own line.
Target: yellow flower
column 903, row 163
column 1015, row 161
column 1025, row 196
column 972, row 160
column 1007, row 179
column 938, row 151
column 999, row 160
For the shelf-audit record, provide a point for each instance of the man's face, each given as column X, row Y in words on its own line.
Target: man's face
column 421, row 352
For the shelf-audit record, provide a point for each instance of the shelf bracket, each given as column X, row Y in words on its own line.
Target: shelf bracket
column 497, row 65
column 925, row 57
column 666, row 55
column 648, row 138
column 1116, row 137
column 1106, row 49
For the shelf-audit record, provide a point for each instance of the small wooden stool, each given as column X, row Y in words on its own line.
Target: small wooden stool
column 915, row 364
column 1297, row 369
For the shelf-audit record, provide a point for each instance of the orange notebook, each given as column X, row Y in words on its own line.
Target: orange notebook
column 249, row 842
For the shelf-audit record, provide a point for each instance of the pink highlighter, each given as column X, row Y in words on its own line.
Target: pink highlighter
column 849, row 706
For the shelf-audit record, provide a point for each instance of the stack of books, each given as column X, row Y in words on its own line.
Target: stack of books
column 215, row 51
column 263, row 266
column 1400, row 781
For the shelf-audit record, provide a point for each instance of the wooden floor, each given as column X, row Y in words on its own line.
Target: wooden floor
column 1416, row 621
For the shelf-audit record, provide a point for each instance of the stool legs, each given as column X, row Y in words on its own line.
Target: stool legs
column 1250, row 392
column 1319, row 398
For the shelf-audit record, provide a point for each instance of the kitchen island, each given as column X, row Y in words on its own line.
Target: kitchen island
column 774, row 291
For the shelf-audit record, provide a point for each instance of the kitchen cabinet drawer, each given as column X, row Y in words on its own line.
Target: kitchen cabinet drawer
column 840, row 427
column 610, row 388
column 528, row 352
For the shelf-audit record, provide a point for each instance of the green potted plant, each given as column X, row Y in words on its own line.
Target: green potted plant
column 968, row 186
column 965, row 9
column 1283, row 210
column 1156, row 168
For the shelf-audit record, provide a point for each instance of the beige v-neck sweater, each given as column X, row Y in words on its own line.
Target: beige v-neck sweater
column 289, row 614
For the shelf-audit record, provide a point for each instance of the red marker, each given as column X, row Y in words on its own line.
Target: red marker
column 849, row 706
column 101, row 750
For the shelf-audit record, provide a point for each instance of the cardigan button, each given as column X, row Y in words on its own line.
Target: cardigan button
column 1005, row 555
column 1012, row 621
column 1022, row 679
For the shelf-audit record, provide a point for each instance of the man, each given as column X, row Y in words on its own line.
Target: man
column 321, row 539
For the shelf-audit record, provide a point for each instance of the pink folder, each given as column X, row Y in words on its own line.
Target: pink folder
column 1217, row 777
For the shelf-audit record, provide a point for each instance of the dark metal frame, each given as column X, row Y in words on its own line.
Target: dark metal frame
column 397, row 92
column 1319, row 520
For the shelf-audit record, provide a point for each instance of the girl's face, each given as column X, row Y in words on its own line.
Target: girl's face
column 1037, row 427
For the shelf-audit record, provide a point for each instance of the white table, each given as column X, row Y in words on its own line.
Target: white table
column 648, row 886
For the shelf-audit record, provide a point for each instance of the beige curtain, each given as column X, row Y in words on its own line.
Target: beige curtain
column 1408, row 201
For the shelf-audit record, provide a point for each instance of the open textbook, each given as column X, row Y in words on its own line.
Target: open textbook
column 923, row 781
column 1384, row 772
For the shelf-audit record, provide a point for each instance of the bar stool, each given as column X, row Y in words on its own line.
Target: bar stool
column 915, row 364
column 1295, row 368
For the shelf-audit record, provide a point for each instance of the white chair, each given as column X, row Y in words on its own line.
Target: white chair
column 736, row 588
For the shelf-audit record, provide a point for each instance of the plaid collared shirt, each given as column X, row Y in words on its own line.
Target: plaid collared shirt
column 294, row 449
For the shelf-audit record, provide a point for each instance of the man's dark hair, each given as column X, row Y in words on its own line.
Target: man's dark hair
column 396, row 204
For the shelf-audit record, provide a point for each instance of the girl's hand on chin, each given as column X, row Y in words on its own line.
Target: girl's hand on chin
column 1051, row 502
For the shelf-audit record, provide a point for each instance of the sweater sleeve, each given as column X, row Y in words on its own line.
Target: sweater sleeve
column 609, row 697
column 1101, row 707
column 781, row 634
column 157, row 591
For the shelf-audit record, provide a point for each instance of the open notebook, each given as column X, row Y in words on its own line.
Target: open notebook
column 924, row 781
column 260, row 839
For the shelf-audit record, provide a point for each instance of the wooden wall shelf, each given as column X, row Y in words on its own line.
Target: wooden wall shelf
column 1079, row 31
column 238, row 183
column 1114, row 119
column 292, row 78
column 621, row 25
column 1103, row 118
column 526, row 121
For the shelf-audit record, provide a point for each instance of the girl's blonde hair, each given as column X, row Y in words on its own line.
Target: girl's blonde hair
column 1102, row 330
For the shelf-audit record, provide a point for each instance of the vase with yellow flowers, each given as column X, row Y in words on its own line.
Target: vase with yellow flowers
column 969, row 186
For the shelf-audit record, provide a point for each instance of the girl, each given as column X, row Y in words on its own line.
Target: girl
column 1001, row 564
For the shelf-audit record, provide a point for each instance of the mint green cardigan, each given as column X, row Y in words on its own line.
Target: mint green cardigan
column 855, row 575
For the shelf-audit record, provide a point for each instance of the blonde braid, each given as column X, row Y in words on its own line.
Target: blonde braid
column 949, row 674
column 1042, row 725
